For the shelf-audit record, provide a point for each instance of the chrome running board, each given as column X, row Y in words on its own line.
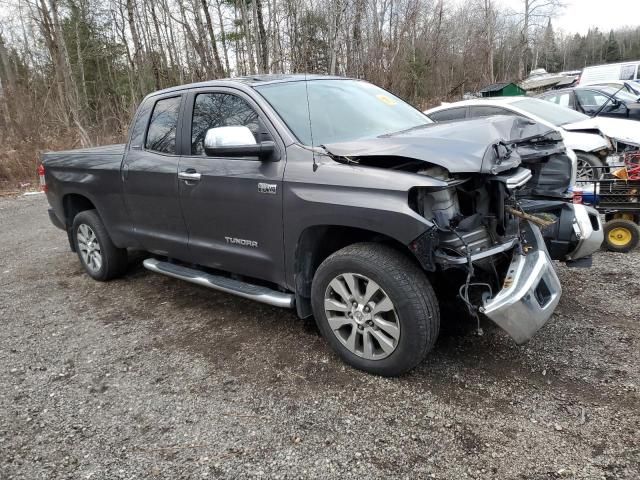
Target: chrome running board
column 224, row 284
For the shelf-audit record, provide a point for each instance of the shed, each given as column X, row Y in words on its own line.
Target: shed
column 502, row 90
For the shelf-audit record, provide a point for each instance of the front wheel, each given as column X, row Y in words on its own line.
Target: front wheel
column 376, row 308
column 586, row 162
column 101, row 259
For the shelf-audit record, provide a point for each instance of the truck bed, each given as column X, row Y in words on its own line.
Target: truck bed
column 115, row 150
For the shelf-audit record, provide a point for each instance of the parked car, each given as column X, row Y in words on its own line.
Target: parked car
column 595, row 141
column 629, row 86
column 611, row 71
column 601, row 101
column 335, row 198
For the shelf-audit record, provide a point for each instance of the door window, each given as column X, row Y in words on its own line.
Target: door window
column 563, row 99
column 220, row 110
column 487, row 111
column 448, row 115
column 590, row 99
column 628, row 72
column 161, row 136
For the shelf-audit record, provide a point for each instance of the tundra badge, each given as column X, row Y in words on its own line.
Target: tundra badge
column 270, row 188
column 242, row 241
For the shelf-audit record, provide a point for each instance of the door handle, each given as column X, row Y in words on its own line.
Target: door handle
column 189, row 175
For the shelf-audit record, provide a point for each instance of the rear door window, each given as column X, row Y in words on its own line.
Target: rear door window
column 628, row 72
column 161, row 136
column 448, row 115
column 563, row 99
column 487, row 111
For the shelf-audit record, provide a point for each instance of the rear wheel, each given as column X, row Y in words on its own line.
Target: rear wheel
column 101, row 259
column 585, row 163
column 621, row 235
column 376, row 308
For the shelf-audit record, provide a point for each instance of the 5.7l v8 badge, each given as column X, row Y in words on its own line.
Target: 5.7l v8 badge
column 270, row 188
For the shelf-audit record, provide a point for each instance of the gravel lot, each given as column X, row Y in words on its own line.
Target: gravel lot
column 150, row 377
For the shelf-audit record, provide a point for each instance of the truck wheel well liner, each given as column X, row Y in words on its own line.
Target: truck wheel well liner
column 317, row 243
column 73, row 204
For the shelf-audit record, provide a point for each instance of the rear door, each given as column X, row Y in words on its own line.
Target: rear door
column 233, row 212
column 149, row 175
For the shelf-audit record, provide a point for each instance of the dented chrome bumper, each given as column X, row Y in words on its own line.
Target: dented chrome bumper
column 530, row 293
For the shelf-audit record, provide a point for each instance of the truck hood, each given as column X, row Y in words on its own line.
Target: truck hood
column 487, row 145
column 626, row 131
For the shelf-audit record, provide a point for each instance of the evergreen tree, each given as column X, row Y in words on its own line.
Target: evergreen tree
column 612, row 49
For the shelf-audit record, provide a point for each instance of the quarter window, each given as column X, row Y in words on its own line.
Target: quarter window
column 220, row 110
column 161, row 136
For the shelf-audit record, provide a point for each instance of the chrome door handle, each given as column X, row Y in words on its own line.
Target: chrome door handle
column 191, row 176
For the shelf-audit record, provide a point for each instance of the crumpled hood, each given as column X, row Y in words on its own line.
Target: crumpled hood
column 484, row 145
column 627, row 131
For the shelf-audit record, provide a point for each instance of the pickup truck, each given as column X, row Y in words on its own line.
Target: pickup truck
column 335, row 198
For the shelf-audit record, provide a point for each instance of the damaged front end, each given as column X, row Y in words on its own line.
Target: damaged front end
column 483, row 248
column 487, row 253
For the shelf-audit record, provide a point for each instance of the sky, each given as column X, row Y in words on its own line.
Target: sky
column 579, row 15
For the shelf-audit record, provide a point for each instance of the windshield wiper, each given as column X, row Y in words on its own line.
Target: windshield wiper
column 417, row 127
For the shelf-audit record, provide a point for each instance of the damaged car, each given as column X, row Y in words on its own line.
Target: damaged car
column 597, row 141
column 332, row 197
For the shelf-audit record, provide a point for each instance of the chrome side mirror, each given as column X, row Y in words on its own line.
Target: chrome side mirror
column 235, row 142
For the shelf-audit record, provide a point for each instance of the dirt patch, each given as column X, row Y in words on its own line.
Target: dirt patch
column 150, row 377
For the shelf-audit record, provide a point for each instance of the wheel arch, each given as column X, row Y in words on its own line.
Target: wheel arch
column 72, row 205
column 318, row 242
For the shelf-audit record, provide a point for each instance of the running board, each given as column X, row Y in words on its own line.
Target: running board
column 224, row 284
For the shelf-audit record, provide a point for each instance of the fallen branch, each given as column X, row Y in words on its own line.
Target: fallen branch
column 541, row 222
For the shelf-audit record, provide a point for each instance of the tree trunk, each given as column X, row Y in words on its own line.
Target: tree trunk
column 264, row 52
column 247, row 36
column 212, row 37
column 137, row 47
column 227, row 68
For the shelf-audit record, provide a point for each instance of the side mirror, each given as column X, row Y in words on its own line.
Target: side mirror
column 236, row 142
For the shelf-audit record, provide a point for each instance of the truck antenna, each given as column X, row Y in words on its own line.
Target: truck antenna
column 313, row 151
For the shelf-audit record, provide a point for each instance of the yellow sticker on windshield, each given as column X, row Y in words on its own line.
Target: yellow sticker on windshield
column 384, row 99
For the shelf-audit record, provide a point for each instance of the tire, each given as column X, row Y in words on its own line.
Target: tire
column 621, row 235
column 414, row 318
column 585, row 161
column 90, row 238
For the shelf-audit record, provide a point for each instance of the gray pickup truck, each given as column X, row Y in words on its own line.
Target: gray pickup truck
column 337, row 199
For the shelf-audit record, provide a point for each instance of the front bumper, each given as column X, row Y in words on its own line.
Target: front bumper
column 530, row 293
column 588, row 230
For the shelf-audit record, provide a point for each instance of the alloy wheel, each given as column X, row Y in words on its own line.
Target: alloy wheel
column 89, row 247
column 362, row 316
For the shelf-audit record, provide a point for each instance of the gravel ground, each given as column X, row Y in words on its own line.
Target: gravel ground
column 150, row 377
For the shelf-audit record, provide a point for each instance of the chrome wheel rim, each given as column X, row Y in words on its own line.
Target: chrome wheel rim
column 362, row 316
column 89, row 247
column 584, row 170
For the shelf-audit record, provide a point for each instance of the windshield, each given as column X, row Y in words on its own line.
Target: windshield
column 339, row 110
column 620, row 94
column 550, row 112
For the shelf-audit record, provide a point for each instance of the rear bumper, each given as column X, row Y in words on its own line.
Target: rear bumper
column 530, row 293
column 55, row 220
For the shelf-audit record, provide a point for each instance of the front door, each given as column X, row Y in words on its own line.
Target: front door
column 150, row 180
column 233, row 212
